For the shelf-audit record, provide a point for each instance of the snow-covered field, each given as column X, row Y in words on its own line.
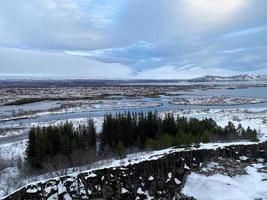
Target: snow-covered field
column 11, row 132
column 252, row 185
column 11, row 156
column 13, row 150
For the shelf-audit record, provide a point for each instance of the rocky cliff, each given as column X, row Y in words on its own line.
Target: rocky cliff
column 162, row 178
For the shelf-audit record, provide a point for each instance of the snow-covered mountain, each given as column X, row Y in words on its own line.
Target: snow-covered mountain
column 243, row 77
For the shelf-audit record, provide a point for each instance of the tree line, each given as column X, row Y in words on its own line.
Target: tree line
column 125, row 131
column 61, row 139
column 149, row 130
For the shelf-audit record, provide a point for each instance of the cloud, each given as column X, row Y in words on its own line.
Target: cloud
column 55, row 24
column 25, row 62
column 231, row 51
column 246, row 32
column 139, row 52
column 135, row 36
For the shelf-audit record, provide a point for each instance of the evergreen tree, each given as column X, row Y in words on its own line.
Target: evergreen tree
column 169, row 125
column 61, row 139
column 120, row 150
column 31, row 150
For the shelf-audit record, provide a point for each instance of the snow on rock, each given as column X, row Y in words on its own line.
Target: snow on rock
column 89, row 191
column 61, row 188
column 52, row 186
column 261, row 160
column 140, row 191
column 67, row 197
column 123, row 190
column 90, row 174
column 151, row 178
column 32, row 190
column 243, row 158
column 98, row 187
column 148, row 197
column 186, row 167
column 177, row 181
column 212, row 165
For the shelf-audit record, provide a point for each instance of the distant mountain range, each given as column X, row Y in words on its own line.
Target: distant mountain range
column 208, row 78
column 243, row 77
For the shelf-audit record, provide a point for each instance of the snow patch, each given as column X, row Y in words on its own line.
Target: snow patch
column 221, row 187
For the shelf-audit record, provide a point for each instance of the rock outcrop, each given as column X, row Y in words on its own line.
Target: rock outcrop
column 162, row 178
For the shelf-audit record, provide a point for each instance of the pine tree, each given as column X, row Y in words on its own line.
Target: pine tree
column 169, row 125
column 91, row 141
column 205, row 136
column 32, row 148
column 120, row 150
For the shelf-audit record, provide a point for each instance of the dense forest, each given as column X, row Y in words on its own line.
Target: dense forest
column 126, row 131
column 149, row 130
column 63, row 139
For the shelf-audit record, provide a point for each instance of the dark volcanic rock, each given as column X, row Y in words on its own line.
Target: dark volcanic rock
column 159, row 179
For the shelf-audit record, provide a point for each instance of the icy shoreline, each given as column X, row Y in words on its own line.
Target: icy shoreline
column 69, row 107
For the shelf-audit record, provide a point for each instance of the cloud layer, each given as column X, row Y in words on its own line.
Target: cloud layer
column 133, row 38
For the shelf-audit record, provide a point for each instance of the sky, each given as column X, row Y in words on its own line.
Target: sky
column 132, row 39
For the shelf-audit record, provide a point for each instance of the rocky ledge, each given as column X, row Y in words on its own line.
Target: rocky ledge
column 162, row 178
